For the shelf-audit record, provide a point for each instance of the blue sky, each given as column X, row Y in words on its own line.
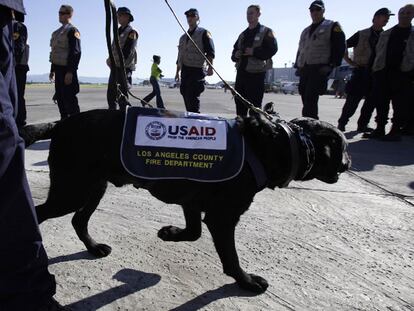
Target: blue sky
column 159, row 32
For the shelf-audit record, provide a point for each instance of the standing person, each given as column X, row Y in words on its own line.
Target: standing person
column 252, row 54
column 393, row 76
column 21, row 57
column 128, row 38
column 155, row 76
column 25, row 282
column 191, row 62
column 321, row 49
column 65, row 57
column 363, row 42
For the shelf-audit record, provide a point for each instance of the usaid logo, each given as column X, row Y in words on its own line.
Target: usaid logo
column 155, row 130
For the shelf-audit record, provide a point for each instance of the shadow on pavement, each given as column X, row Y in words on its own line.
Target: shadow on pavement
column 228, row 290
column 367, row 153
column 39, row 146
column 133, row 280
column 72, row 257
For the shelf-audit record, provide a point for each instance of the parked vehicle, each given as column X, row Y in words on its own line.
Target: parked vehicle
column 174, row 84
column 290, row 88
column 273, row 87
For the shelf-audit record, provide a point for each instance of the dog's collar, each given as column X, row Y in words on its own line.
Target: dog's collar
column 308, row 153
column 294, row 151
column 302, row 151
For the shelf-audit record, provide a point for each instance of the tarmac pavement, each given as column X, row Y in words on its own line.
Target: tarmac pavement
column 345, row 246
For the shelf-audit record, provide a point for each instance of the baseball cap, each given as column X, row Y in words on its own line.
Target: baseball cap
column 383, row 11
column 125, row 10
column 318, row 4
column 191, row 12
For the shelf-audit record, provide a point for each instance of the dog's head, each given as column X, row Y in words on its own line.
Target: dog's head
column 331, row 157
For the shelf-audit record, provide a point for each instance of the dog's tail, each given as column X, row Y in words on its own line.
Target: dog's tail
column 34, row 132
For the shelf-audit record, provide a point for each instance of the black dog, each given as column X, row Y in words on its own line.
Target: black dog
column 85, row 154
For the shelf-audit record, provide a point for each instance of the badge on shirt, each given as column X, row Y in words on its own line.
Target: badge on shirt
column 132, row 35
column 16, row 36
column 77, row 35
column 337, row 28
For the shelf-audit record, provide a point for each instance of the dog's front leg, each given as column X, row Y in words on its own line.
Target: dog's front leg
column 222, row 229
column 191, row 232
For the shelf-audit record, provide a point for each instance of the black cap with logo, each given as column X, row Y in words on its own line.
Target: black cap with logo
column 317, row 4
column 383, row 11
column 191, row 12
column 125, row 10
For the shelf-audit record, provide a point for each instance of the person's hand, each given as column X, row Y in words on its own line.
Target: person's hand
column 210, row 71
column 161, row 76
column 108, row 62
column 325, row 70
column 52, row 77
column 238, row 54
column 248, row 51
column 68, row 78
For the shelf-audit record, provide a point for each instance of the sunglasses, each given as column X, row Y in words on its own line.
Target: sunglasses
column 63, row 13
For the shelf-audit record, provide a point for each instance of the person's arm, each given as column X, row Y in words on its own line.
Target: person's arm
column 268, row 47
column 351, row 43
column 338, row 45
column 74, row 55
column 130, row 44
column 209, row 50
column 20, row 39
column 236, row 54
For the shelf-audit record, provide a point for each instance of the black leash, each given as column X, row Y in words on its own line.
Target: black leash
column 120, row 73
column 248, row 104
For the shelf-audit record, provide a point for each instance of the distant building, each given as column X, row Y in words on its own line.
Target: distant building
column 288, row 73
column 281, row 74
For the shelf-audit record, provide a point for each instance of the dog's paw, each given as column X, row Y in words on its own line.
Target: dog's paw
column 253, row 283
column 99, row 250
column 170, row 233
column 175, row 234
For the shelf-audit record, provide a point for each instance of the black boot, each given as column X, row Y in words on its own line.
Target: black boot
column 341, row 127
column 379, row 132
column 364, row 129
column 393, row 135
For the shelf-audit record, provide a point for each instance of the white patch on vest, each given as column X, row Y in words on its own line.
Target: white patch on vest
column 181, row 133
column 257, row 38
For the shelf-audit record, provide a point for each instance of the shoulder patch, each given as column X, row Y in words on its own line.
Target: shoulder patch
column 77, row 34
column 337, row 28
column 209, row 34
column 271, row 34
column 16, row 36
column 132, row 35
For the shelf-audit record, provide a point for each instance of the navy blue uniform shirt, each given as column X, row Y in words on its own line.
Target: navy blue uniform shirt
column 20, row 39
column 373, row 40
column 130, row 43
column 265, row 51
column 396, row 47
column 209, row 50
column 74, row 51
column 338, row 45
